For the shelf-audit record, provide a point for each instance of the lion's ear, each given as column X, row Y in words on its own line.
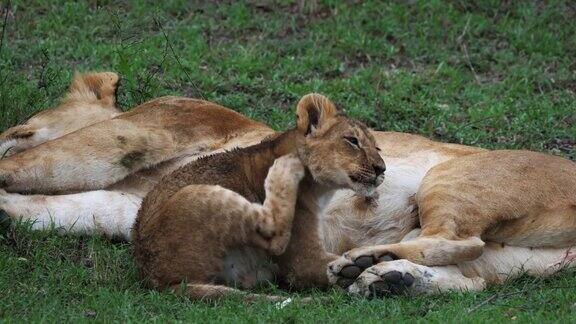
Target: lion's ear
column 313, row 111
column 94, row 87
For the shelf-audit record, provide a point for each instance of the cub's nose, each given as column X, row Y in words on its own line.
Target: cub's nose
column 379, row 169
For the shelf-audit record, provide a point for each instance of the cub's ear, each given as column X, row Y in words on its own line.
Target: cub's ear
column 100, row 86
column 313, row 111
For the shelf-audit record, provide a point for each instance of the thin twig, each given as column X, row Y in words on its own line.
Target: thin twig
column 460, row 41
column 497, row 295
column 7, row 9
column 486, row 301
column 464, row 31
column 476, row 77
column 197, row 90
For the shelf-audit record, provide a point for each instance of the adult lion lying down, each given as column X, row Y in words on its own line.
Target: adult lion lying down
column 486, row 216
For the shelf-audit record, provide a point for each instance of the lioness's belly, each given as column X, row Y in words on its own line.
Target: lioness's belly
column 351, row 221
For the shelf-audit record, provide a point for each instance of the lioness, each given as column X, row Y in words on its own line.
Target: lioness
column 112, row 164
column 201, row 223
column 527, row 199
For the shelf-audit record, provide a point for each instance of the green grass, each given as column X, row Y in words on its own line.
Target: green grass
column 491, row 74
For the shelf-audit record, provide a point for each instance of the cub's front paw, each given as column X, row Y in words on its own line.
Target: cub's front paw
column 273, row 244
column 279, row 243
column 270, row 238
column 291, row 165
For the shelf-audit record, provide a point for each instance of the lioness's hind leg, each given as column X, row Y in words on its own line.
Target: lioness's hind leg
column 95, row 212
column 496, row 265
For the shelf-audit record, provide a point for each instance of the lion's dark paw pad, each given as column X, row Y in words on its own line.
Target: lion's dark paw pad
column 351, row 271
column 364, row 262
column 408, row 279
column 392, row 283
column 387, row 257
column 344, row 282
column 379, row 289
column 393, row 277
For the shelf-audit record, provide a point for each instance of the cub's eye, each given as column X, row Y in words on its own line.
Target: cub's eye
column 352, row 140
column 378, row 149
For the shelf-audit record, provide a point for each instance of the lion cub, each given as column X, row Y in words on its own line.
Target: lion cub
column 243, row 217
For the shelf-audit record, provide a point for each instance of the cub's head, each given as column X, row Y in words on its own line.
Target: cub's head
column 338, row 151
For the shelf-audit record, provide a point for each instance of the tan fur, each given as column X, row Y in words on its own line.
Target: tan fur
column 526, row 199
column 196, row 217
column 175, row 131
column 91, row 98
column 351, row 221
column 517, row 198
column 158, row 131
column 496, row 265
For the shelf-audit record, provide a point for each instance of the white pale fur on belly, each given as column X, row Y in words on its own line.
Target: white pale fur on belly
column 385, row 220
column 500, row 263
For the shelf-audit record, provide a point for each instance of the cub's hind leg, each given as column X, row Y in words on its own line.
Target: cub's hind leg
column 202, row 226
